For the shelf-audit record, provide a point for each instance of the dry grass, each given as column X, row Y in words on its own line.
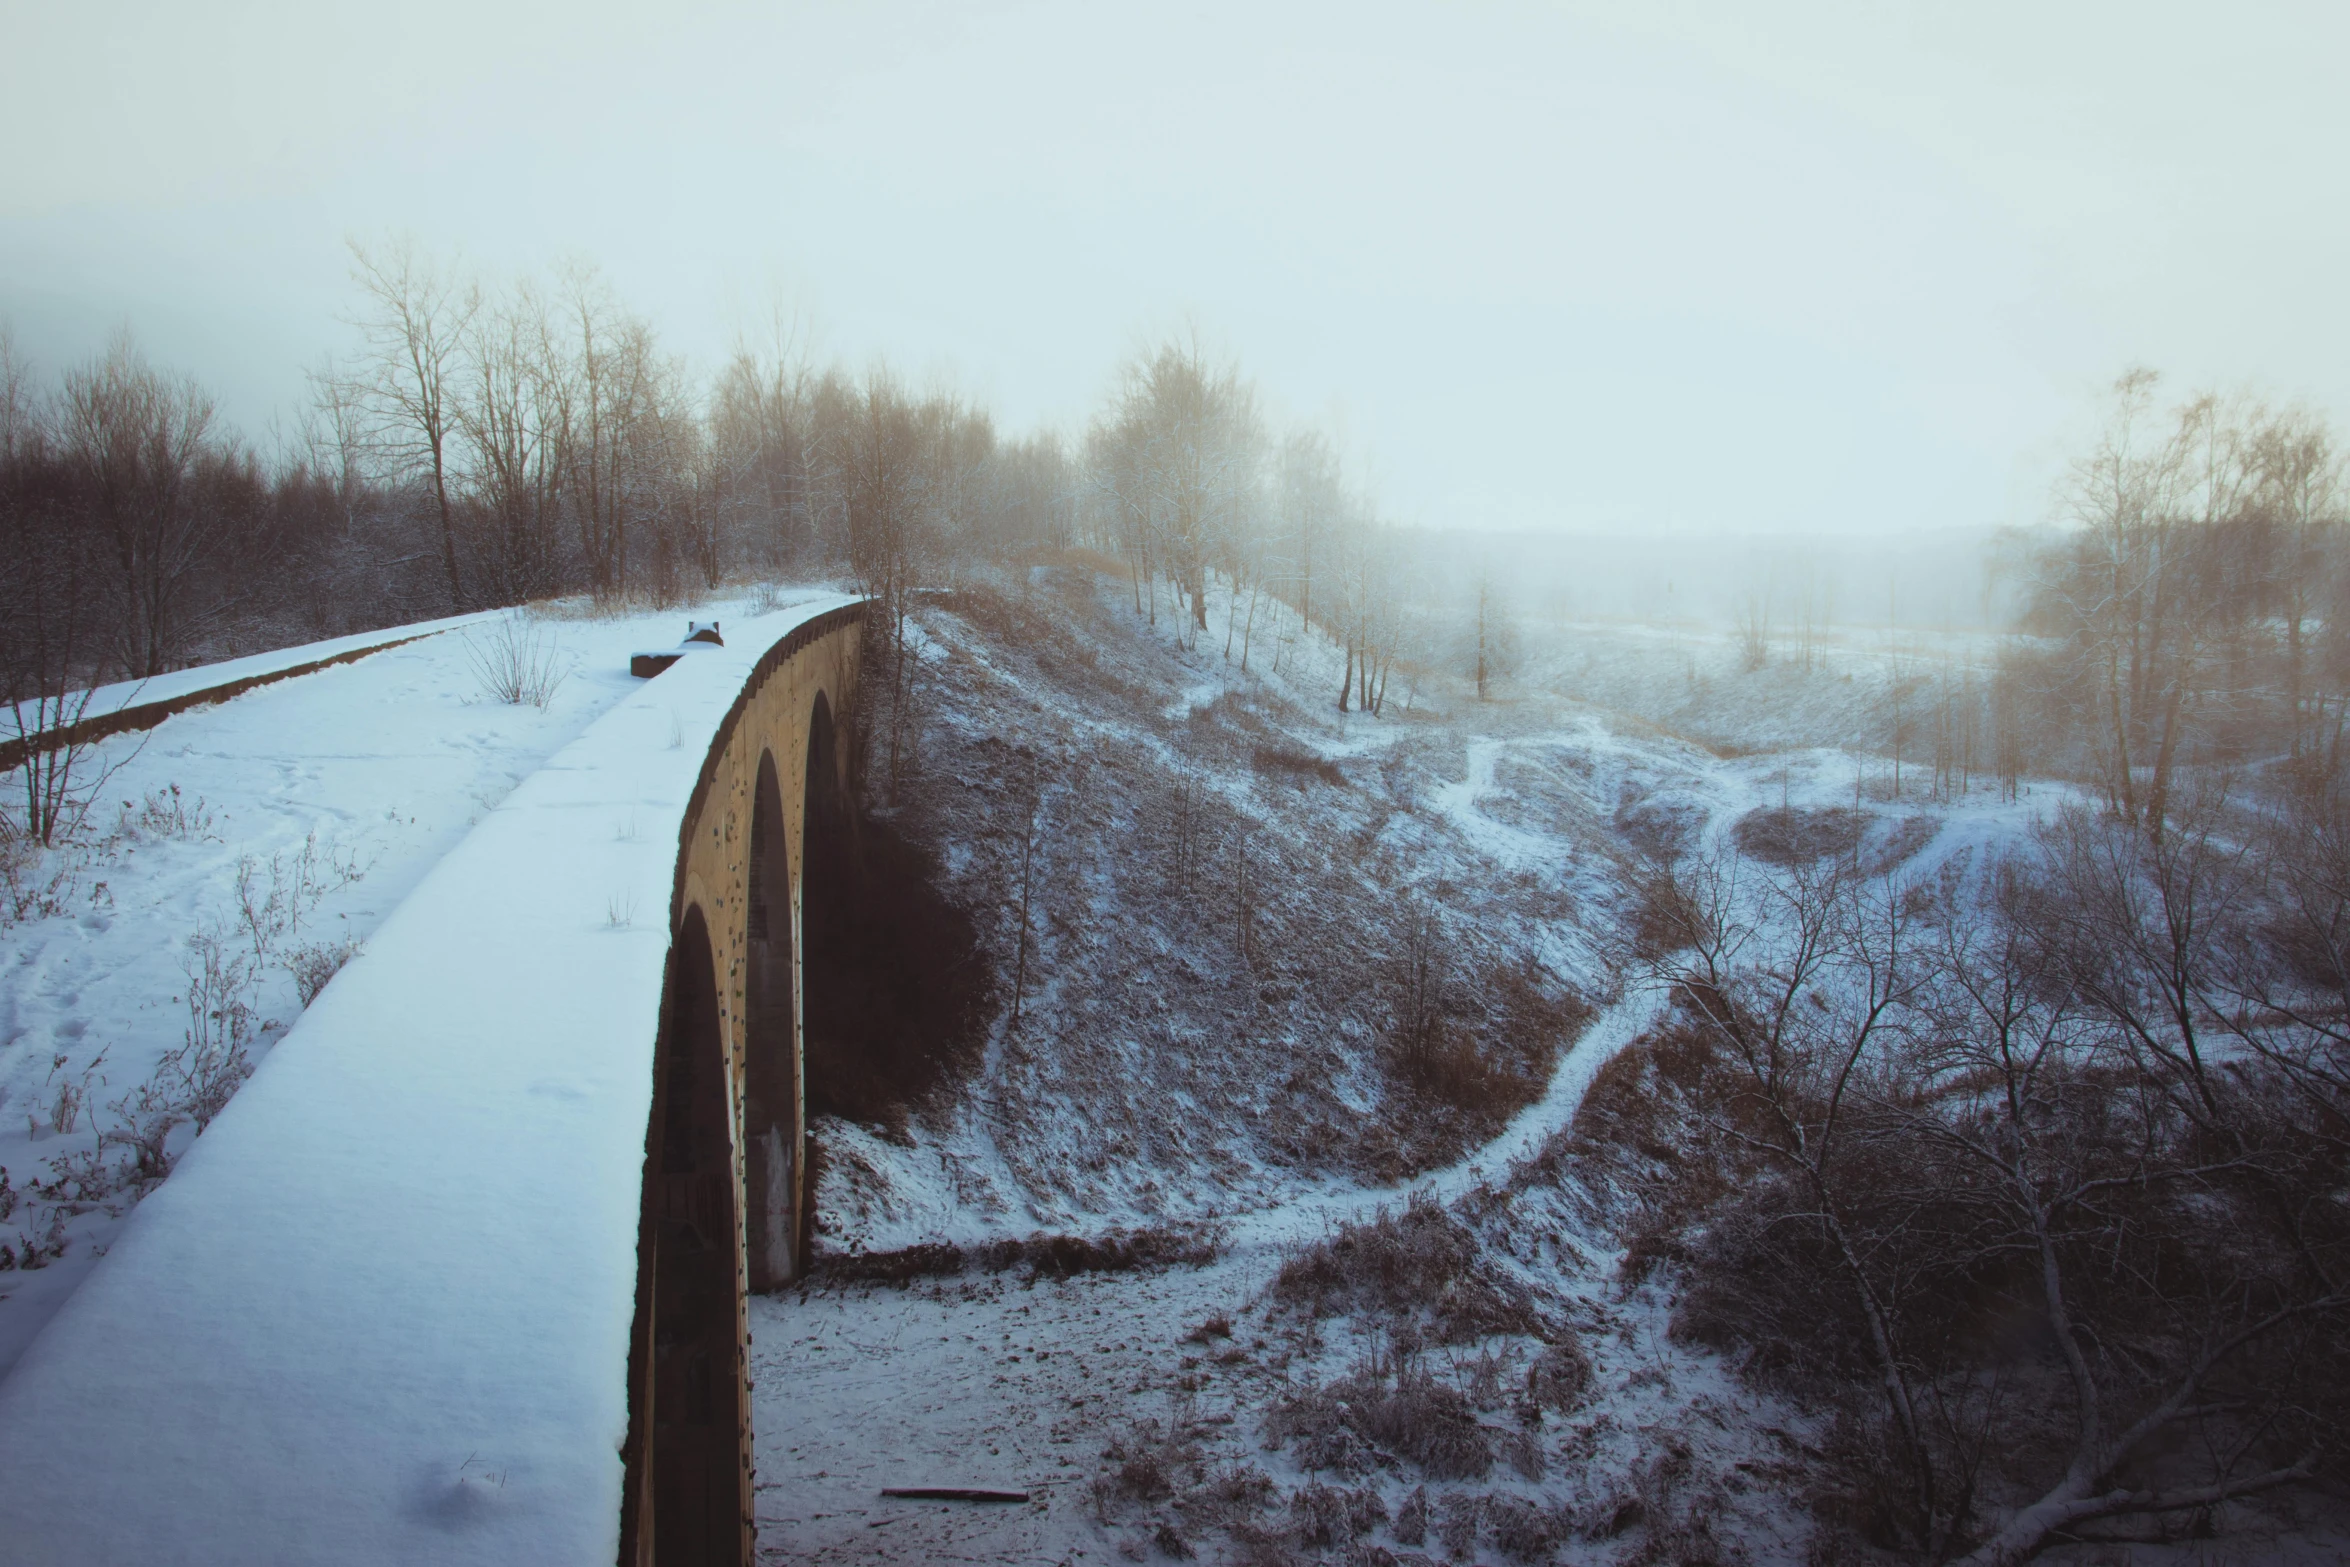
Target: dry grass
column 1420, row 1270
column 1363, row 1422
column 1797, row 835
column 1042, row 1255
column 1294, row 763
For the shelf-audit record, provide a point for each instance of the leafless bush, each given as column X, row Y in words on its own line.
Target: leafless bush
column 1797, row 835
column 1326, row 1517
column 1292, row 762
column 1045, row 1256
column 1521, row 1449
column 191, row 1083
column 1559, row 1377
column 1215, row 1327
column 199, row 1077
column 517, row 659
column 1896, row 1119
column 1347, row 1425
column 30, row 1252
column 1458, row 1515
column 273, row 898
column 166, row 813
column 1524, row 1531
column 1411, row 1519
column 314, row 963
column 1230, row 1494
column 1475, row 1054
column 1147, row 1463
column 1679, row 1516
column 36, row 883
column 80, row 1179
column 72, row 1092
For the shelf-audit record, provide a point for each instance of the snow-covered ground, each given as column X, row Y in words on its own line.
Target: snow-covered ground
column 380, row 1310
column 1167, row 1074
column 278, row 828
column 1693, row 680
column 1517, row 819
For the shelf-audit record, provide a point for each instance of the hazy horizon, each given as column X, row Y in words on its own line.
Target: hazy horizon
column 1565, row 268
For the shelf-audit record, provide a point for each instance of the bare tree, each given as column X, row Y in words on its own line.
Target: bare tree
column 143, row 447
column 1921, row 1109
column 1185, row 454
column 414, row 322
column 2302, row 496
column 880, row 449
column 510, row 415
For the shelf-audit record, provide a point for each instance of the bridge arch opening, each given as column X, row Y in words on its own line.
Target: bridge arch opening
column 774, row 1142
column 893, row 998
column 687, row 1500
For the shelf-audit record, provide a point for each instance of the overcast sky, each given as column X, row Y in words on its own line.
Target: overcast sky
column 1698, row 268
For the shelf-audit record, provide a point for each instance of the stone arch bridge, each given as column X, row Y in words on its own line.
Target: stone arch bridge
column 461, row 1274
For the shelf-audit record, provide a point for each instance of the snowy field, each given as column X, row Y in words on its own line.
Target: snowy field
column 270, row 834
column 1692, row 680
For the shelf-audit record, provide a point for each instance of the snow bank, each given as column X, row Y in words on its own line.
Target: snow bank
column 380, row 1312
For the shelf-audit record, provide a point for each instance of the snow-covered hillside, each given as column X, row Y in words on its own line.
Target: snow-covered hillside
column 1412, row 1337
column 1269, row 1230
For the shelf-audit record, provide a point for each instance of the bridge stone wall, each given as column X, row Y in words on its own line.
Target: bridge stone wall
column 745, row 834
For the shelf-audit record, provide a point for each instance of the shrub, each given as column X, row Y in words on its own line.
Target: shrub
column 1559, row 1376
column 1524, row 1532
column 166, row 813
column 1046, row 1256
column 1401, row 1265
column 517, row 660
column 1326, row 1516
column 1290, row 762
column 1798, row 835
column 1411, row 1519
column 1345, row 1426
column 1233, row 1494
column 313, row 964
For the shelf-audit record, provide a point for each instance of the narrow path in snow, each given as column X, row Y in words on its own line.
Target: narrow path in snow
column 1511, row 847
column 1313, row 1212
column 993, row 1382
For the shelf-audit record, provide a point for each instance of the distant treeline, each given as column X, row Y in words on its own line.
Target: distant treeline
column 488, row 445
column 483, row 446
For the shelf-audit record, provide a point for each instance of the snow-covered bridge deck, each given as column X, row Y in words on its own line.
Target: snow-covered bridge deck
column 443, row 1283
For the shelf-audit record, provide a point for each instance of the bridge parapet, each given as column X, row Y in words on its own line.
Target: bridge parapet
column 398, row 1303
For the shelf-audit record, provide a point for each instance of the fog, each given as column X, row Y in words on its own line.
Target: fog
column 1564, row 269
column 1648, row 703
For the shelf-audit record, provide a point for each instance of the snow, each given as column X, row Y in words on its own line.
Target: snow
column 1514, row 815
column 445, row 1308
column 379, row 1312
column 383, row 764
